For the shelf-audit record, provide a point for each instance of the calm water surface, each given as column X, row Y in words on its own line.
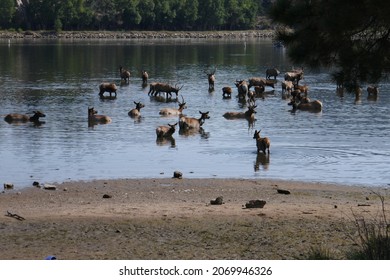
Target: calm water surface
column 347, row 143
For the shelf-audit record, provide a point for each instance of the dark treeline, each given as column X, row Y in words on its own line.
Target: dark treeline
column 131, row 14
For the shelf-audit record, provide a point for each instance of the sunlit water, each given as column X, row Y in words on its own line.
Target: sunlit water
column 347, row 143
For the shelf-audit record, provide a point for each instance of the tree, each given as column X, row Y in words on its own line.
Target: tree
column 7, row 11
column 350, row 35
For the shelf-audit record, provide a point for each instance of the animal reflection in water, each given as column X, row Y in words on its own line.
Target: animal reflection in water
column 262, row 160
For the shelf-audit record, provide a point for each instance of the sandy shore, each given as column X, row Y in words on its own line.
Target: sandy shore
column 173, row 219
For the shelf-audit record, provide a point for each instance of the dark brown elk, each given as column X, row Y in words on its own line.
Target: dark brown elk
column 372, row 93
column 22, row 118
column 262, row 144
column 193, row 123
column 248, row 115
column 157, row 88
column 136, row 112
column 273, row 72
column 172, row 111
column 93, row 118
column 125, row 74
column 145, row 77
column 211, row 78
column 107, row 87
column 227, row 92
column 164, row 131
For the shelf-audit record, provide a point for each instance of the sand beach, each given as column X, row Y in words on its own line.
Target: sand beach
column 172, row 218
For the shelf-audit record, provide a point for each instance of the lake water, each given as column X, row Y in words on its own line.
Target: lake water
column 347, row 143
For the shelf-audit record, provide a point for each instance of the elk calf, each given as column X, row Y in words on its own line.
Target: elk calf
column 136, row 111
column 227, row 92
column 273, row 72
column 262, row 144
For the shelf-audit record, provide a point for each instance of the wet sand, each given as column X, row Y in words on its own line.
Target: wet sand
column 173, row 219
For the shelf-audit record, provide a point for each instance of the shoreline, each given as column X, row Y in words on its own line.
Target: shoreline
column 173, row 219
column 115, row 35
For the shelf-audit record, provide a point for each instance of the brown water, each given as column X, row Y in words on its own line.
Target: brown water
column 347, row 143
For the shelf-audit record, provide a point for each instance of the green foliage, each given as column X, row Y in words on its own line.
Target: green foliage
column 7, row 11
column 130, row 14
column 330, row 33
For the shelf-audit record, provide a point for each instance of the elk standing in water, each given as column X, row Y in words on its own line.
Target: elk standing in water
column 125, row 74
column 145, row 77
column 262, row 144
column 164, row 131
column 211, row 79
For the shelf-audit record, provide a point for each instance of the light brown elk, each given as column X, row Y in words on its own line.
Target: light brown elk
column 22, row 118
column 107, row 87
column 145, row 77
column 136, row 112
column 172, row 111
column 287, row 86
column 294, row 76
column 242, row 87
column 211, row 78
column 193, row 123
column 93, row 118
column 164, row 131
column 249, row 114
column 262, row 144
column 306, row 104
column 125, row 74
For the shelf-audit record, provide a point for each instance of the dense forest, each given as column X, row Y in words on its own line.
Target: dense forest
column 131, row 14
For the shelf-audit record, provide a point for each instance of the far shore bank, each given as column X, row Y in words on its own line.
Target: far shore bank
column 227, row 34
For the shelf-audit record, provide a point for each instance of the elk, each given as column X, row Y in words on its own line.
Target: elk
column 164, row 131
column 107, row 87
column 227, row 92
column 372, row 93
column 145, row 77
column 255, row 81
column 172, row 111
column 93, row 118
column 294, row 76
column 211, row 78
column 249, row 114
column 157, row 88
column 193, row 123
column 306, row 105
column 273, row 72
column 242, row 87
column 287, row 86
column 136, row 112
column 125, row 74
column 22, row 118
column 304, row 89
column 262, row 144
